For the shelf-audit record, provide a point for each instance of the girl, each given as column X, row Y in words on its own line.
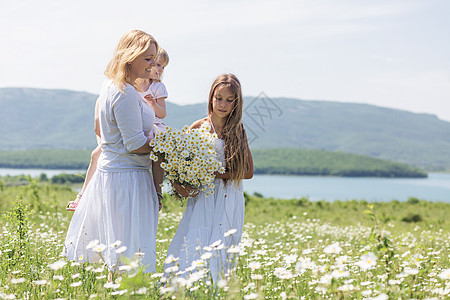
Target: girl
column 155, row 94
column 218, row 218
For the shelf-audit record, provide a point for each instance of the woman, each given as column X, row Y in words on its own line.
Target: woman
column 120, row 205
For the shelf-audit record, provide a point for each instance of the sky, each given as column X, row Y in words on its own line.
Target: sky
column 387, row 53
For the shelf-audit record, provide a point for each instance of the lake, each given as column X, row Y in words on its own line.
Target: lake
column 434, row 188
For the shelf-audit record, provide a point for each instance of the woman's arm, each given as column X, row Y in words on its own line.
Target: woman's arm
column 127, row 113
column 143, row 149
column 97, row 120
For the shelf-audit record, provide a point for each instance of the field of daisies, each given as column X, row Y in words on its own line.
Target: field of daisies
column 291, row 249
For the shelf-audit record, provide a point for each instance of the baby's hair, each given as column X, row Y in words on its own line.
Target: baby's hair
column 162, row 54
column 233, row 133
column 131, row 45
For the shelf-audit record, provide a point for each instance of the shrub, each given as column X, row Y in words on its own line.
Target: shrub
column 412, row 218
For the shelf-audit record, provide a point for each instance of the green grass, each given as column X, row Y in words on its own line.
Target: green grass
column 290, row 249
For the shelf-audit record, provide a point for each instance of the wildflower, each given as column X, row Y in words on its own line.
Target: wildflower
column 58, row 277
column 18, row 280
column 326, row 279
column 76, row 284
column 111, row 285
column 342, row 260
column 234, row 249
column 394, row 281
column 340, row 274
column 367, row 261
column 92, row 244
column 99, row 248
column 57, row 265
column 119, row 292
column 121, row 249
column 445, row 275
column 170, row 258
column 257, row 277
column 40, row 282
column 141, row 291
column 171, row 269
column 74, row 276
column 164, row 290
column 382, row 296
column 156, row 275
column 115, row 244
column 125, row 268
column 333, row 248
column 254, row 265
column 198, row 263
column 306, row 251
column 290, row 259
column 303, row 264
column 230, row 232
column 251, row 296
column 282, row 273
column 215, row 244
column 206, row 255
column 346, row 287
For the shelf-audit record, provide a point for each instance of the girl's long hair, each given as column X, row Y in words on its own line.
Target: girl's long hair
column 233, row 132
column 131, row 45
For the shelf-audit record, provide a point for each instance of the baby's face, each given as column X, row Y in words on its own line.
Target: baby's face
column 158, row 69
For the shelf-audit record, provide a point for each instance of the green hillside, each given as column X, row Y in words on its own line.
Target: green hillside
column 266, row 161
column 325, row 163
column 61, row 119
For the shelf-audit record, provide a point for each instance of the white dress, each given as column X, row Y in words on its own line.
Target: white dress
column 120, row 201
column 205, row 221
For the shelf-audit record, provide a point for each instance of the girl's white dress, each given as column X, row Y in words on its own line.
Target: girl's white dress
column 157, row 90
column 120, row 201
column 206, row 221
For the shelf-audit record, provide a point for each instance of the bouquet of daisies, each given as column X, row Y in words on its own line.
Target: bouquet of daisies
column 188, row 157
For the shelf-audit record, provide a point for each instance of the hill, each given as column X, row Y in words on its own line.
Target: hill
column 326, row 163
column 39, row 118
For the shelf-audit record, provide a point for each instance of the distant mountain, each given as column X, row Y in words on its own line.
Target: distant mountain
column 39, row 118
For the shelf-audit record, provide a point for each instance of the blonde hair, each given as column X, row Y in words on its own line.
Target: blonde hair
column 131, row 45
column 233, row 133
column 162, row 54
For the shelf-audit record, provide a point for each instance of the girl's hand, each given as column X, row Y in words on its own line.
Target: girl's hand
column 185, row 191
column 150, row 100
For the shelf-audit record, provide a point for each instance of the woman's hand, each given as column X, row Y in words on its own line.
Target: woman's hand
column 185, row 191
